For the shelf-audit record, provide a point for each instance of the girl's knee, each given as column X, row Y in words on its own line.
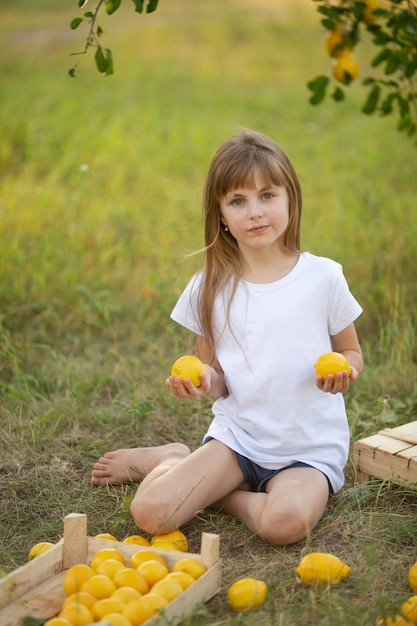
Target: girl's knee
column 284, row 529
column 150, row 515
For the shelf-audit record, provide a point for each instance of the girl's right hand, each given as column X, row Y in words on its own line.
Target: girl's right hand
column 184, row 388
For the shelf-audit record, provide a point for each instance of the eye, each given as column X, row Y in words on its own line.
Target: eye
column 267, row 195
column 237, row 202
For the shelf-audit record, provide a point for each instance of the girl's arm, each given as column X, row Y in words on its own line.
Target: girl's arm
column 212, row 381
column 347, row 343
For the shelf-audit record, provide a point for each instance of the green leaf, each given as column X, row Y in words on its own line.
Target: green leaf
column 102, row 63
column 392, row 64
column 152, row 4
column 338, row 95
column 380, row 57
column 89, row 14
column 71, row 71
column 33, row 621
column 138, row 5
column 109, row 57
column 112, row 6
column 318, row 84
column 76, row 22
column 82, row 3
column 372, row 100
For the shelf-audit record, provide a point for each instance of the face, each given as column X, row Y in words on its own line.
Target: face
column 257, row 218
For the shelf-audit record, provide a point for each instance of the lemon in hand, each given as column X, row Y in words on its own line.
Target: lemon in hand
column 331, row 363
column 188, row 367
column 321, row 568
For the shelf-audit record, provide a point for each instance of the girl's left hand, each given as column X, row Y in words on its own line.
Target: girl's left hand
column 338, row 383
column 184, row 388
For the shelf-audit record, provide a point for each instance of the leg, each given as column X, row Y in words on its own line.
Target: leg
column 293, row 504
column 132, row 464
column 175, row 490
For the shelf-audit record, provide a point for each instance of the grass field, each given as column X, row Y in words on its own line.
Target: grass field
column 100, row 204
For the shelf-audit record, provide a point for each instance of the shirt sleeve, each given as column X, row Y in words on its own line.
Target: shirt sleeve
column 186, row 310
column 344, row 308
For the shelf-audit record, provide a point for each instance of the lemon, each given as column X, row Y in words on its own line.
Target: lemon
column 126, row 594
column 190, row 566
column 39, row 548
column 75, row 577
column 175, row 540
column 369, row 16
column 106, row 553
column 105, row 606
column 188, row 367
column 129, row 577
column 152, row 571
column 336, row 42
column 168, row 589
column 107, row 536
column 409, row 609
column 184, row 579
column 156, row 601
column 331, row 363
column 138, row 611
column 136, row 539
column 246, row 594
column 117, row 619
column 77, row 614
column 322, row 568
column 412, row 577
column 345, row 68
column 57, row 621
column 80, row 597
column 109, row 567
column 396, row 621
column 145, row 555
column 99, row 586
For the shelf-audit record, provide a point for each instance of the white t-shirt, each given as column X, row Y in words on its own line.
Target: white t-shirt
column 274, row 414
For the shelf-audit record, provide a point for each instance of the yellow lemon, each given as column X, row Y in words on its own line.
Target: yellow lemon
column 75, row 577
column 105, row 554
column 57, row 621
column 80, row 597
column 138, row 611
column 369, row 16
column 168, row 589
column 137, row 539
column 126, row 594
column 184, row 579
column 322, row 568
column 246, row 594
column 175, row 538
column 39, row 548
column 409, row 609
column 412, row 577
column 188, row 367
column 117, row 619
column 156, row 601
column 107, row 605
column 107, row 536
column 331, row 363
column 345, row 68
column 109, row 567
column 129, row 577
column 396, row 621
column 77, row 614
column 191, row 566
column 99, row 586
column 336, row 42
column 152, row 571
column 145, row 555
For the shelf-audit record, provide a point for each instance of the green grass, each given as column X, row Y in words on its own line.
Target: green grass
column 100, row 200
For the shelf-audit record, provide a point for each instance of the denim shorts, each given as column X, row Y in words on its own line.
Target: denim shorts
column 258, row 476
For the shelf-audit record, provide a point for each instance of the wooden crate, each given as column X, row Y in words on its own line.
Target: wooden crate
column 391, row 453
column 36, row 588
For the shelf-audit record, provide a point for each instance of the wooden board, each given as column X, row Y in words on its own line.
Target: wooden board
column 36, row 588
column 389, row 454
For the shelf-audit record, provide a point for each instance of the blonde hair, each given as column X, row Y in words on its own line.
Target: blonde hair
column 234, row 166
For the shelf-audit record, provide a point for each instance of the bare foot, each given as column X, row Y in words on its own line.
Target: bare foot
column 132, row 464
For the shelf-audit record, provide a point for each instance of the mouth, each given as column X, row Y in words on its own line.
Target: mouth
column 259, row 229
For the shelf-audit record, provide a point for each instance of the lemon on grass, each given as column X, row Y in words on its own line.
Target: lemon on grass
column 80, row 597
column 321, row 568
column 331, row 363
column 138, row 611
column 107, row 605
column 412, row 577
column 145, row 555
column 345, row 68
column 398, row 620
column 168, row 589
column 409, row 609
column 246, row 594
column 39, row 548
column 77, row 614
column 99, row 586
column 107, row 536
column 184, row 579
column 126, row 594
column 190, row 367
column 109, row 567
column 137, row 539
column 107, row 553
column 129, row 577
column 152, row 571
column 191, row 566
column 175, row 540
column 75, row 577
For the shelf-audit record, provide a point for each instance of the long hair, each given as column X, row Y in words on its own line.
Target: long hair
column 234, row 166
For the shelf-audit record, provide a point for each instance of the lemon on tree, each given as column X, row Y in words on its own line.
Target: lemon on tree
column 246, row 594
column 337, row 41
column 188, row 367
column 345, row 68
column 331, row 363
column 39, row 548
column 369, row 17
column 321, row 568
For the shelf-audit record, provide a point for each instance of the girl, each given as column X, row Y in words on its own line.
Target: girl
column 263, row 311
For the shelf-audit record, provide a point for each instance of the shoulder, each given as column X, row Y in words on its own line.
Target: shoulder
column 321, row 263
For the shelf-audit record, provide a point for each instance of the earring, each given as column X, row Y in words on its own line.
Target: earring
column 226, row 228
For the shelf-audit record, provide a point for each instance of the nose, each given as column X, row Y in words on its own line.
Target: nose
column 255, row 209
